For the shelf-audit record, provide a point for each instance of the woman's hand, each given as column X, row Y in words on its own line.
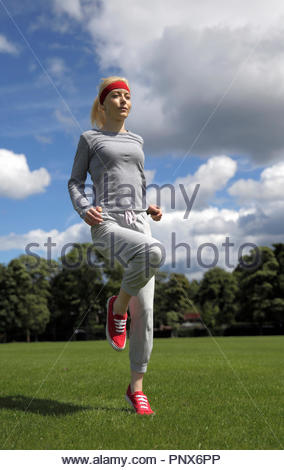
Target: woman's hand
column 155, row 212
column 93, row 216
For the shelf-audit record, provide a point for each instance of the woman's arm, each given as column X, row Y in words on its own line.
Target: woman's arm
column 76, row 183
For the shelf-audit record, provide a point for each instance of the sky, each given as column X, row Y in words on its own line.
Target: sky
column 207, row 87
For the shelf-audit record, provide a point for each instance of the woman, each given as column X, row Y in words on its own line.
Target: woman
column 114, row 158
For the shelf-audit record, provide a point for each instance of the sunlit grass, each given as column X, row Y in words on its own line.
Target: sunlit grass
column 221, row 393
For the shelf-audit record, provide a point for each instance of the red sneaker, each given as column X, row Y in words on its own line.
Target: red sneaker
column 139, row 401
column 115, row 327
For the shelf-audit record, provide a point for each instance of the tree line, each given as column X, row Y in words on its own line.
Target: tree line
column 52, row 300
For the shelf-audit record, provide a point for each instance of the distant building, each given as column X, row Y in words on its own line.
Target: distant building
column 192, row 320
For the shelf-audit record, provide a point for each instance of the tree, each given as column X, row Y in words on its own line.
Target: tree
column 277, row 310
column 193, row 297
column 194, row 286
column 28, row 293
column 217, row 297
column 76, row 298
column 7, row 312
column 161, row 279
column 257, row 284
column 172, row 319
column 176, row 298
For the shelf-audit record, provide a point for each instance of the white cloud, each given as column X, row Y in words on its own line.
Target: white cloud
column 71, row 7
column 208, row 53
column 212, row 176
column 211, row 226
column 208, row 226
column 44, row 139
column 217, row 227
column 57, row 67
column 269, row 188
column 60, row 74
column 67, row 120
column 149, row 175
column 260, row 224
column 77, row 233
column 59, row 24
column 56, row 73
column 6, row 46
column 17, row 181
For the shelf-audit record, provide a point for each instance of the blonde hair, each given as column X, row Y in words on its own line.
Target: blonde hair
column 97, row 114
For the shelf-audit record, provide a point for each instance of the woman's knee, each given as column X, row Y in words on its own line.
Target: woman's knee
column 156, row 255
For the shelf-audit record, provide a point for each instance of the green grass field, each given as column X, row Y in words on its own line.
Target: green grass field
column 208, row 393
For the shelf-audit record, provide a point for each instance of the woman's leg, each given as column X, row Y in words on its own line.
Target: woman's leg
column 136, row 381
column 134, row 247
column 121, row 302
column 141, row 333
column 140, row 261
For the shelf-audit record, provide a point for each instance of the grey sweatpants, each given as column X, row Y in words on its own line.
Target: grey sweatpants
column 132, row 245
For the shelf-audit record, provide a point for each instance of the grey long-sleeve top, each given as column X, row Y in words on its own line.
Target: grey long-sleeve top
column 115, row 162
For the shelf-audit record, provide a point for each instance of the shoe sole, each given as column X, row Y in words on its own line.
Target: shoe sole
column 108, row 336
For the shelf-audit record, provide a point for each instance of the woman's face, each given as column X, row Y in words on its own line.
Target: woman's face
column 114, row 103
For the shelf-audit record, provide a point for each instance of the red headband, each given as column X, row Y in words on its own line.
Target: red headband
column 112, row 86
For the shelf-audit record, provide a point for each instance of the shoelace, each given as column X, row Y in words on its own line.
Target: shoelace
column 120, row 324
column 129, row 216
column 142, row 401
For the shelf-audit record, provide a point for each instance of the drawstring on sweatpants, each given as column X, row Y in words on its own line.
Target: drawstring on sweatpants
column 129, row 216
